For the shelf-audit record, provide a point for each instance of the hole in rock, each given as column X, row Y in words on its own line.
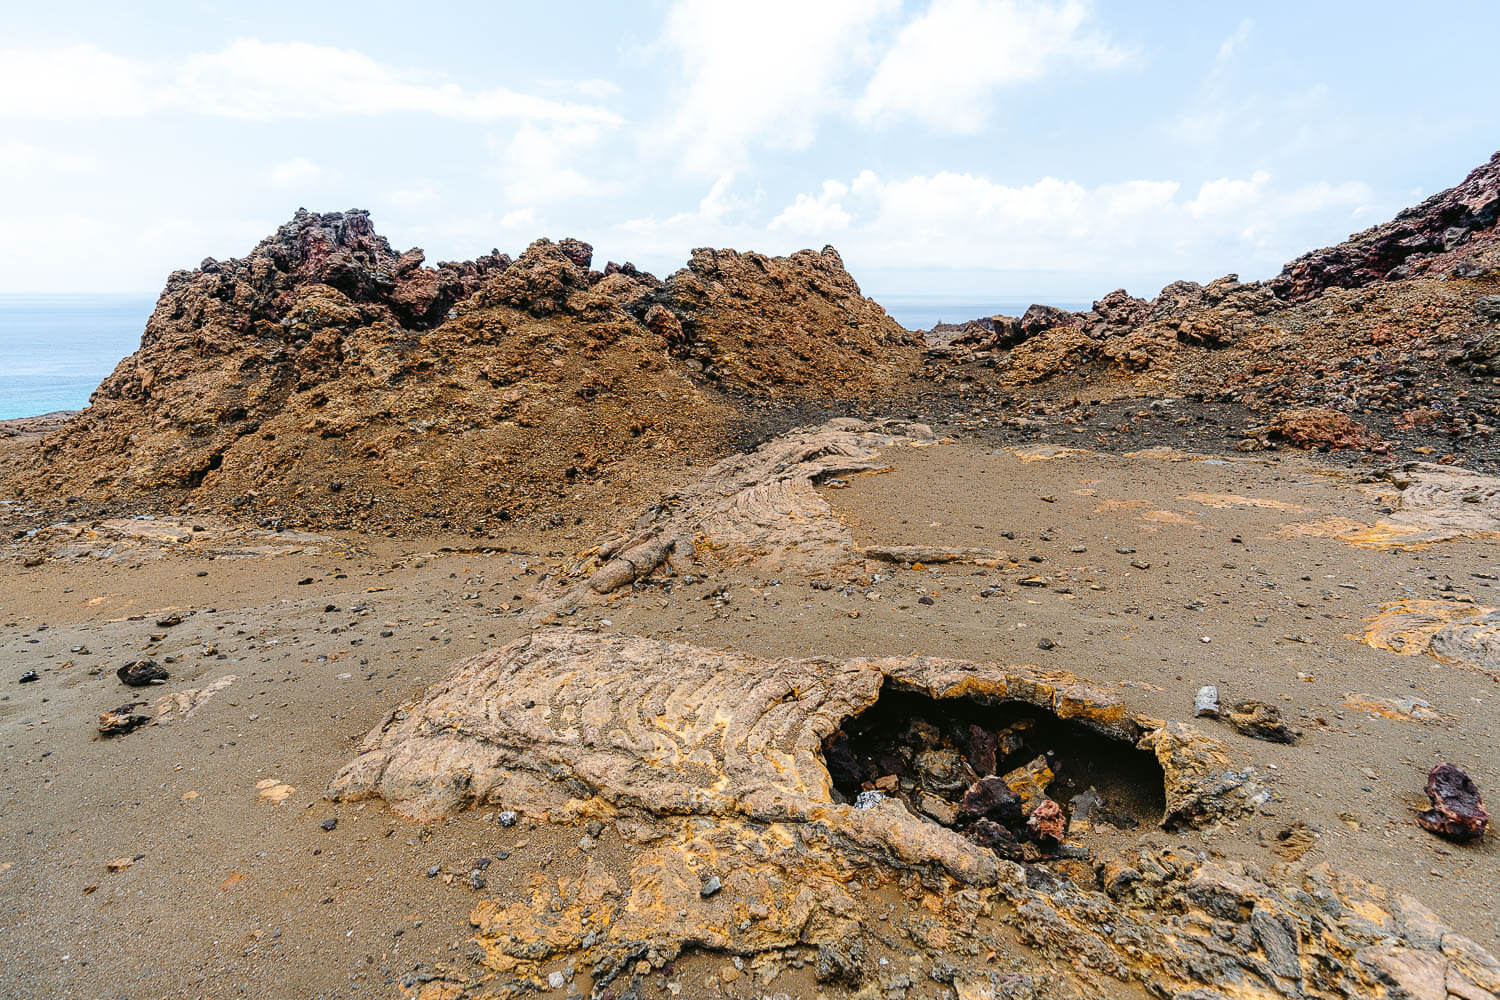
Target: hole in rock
column 1008, row 775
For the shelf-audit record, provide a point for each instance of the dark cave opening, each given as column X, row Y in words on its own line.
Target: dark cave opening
column 1010, row 775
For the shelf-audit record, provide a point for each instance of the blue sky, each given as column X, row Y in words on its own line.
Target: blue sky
column 952, row 148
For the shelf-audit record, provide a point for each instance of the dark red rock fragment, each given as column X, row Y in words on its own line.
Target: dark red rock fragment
column 990, row 798
column 982, row 747
column 1457, row 810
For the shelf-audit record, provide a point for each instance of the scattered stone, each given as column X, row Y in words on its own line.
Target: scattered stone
column 1206, row 701
column 273, row 791
column 506, row 818
column 122, row 720
column 1262, row 721
column 1457, row 811
column 711, row 887
column 869, row 799
column 119, row 864
column 141, row 673
column 175, row 618
column 330, row 823
column 29, row 677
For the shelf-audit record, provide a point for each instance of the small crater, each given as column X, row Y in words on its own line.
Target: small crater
column 1008, row 775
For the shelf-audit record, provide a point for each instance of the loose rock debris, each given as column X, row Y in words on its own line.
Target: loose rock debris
column 723, row 766
column 995, row 773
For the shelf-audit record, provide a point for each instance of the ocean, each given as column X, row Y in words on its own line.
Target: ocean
column 55, row 349
column 923, row 313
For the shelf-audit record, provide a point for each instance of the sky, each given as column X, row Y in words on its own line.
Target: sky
column 947, row 148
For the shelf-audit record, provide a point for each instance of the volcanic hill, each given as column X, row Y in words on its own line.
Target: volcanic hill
column 325, row 378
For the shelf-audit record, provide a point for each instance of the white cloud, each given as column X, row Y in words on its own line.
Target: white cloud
column 767, row 72
column 296, row 172
column 721, row 219
column 543, row 164
column 1228, row 194
column 1234, row 42
column 946, row 64
column 518, row 219
column 23, row 159
column 257, row 81
column 412, row 196
column 817, row 214
column 80, row 81
column 968, row 221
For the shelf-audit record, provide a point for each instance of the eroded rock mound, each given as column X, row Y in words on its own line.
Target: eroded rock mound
column 758, row 507
column 675, row 730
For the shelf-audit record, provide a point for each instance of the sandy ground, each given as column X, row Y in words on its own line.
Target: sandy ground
column 231, row 894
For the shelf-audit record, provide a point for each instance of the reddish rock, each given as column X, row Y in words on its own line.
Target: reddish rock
column 1316, row 426
column 1047, row 822
column 1434, row 237
column 1457, row 810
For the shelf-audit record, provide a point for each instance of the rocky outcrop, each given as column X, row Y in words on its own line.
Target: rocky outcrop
column 797, row 324
column 1435, row 237
column 1430, row 503
column 325, row 378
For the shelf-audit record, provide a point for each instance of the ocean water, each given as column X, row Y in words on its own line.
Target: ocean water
column 922, row 313
column 55, row 349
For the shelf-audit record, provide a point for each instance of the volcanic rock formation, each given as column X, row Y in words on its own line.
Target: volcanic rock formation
column 1446, row 234
column 327, row 378
column 713, row 763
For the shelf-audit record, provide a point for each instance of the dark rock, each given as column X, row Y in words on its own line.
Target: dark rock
column 119, row 721
column 992, row 799
column 711, row 887
column 29, row 677
column 140, row 673
column 982, row 749
column 330, row 823
column 1457, row 810
column 1430, row 238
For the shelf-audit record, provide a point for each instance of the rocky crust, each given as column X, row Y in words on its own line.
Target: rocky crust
column 759, row 507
